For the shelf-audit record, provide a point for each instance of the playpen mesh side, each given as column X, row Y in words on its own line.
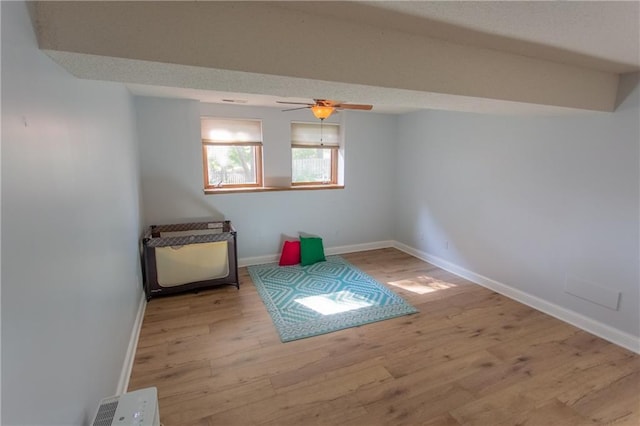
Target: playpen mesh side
column 181, row 240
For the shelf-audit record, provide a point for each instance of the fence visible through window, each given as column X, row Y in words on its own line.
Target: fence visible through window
column 311, row 170
column 227, row 177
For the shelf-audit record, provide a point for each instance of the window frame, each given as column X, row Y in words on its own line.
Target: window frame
column 257, row 152
column 334, row 147
column 334, row 165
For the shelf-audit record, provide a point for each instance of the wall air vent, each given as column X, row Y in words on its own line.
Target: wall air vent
column 235, row 101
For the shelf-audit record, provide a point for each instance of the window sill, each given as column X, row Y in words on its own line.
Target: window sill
column 270, row 189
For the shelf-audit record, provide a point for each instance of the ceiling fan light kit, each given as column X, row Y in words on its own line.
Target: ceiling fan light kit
column 321, row 112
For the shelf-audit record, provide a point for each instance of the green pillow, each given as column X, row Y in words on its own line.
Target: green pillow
column 311, row 250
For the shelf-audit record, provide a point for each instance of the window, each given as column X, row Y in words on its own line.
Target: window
column 231, row 153
column 314, row 153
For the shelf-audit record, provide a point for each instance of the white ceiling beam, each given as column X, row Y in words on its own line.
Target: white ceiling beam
column 265, row 39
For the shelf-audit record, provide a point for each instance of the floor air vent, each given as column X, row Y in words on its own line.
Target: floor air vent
column 137, row 408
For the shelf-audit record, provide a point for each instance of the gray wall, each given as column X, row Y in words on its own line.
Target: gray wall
column 171, row 162
column 531, row 202
column 70, row 225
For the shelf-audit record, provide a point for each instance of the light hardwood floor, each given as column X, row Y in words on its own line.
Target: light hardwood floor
column 470, row 357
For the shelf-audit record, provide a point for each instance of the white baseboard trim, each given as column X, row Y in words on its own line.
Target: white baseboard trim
column 353, row 248
column 123, row 383
column 613, row 335
column 259, row 260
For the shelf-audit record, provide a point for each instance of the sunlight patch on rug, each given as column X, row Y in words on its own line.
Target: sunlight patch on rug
column 333, row 303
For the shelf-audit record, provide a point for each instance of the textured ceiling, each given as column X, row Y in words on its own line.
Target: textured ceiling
column 586, row 38
column 598, row 34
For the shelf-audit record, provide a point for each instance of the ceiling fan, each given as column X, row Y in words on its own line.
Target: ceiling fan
column 323, row 108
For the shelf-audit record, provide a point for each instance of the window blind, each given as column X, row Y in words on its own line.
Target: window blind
column 229, row 131
column 308, row 134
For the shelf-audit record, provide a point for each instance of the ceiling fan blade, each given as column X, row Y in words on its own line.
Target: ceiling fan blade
column 294, row 109
column 354, row 106
column 337, row 105
column 294, row 103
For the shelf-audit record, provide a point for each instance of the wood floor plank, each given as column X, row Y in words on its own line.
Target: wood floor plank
column 190, row 410
column 172, row 377
column 552, row 413
column 153, row 337
column 427, row 377
column 469, row 357
column 435, row 402
column 281, row 410
column 495, row 408
column 336, row 386
column 329, row 413
column 600, row 408
column 568, row 383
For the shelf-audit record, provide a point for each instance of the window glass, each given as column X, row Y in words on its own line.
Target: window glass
column 314, row 153
column 232, row 152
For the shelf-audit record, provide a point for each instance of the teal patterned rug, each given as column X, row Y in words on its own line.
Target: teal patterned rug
column 306, row 301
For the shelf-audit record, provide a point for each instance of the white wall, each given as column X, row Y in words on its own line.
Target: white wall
column 70, row 226
column 172, row 183
column 528, row 201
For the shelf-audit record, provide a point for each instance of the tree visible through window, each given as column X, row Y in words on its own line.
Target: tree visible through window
column 232, row 153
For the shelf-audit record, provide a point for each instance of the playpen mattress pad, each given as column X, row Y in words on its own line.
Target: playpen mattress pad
column 192, row 262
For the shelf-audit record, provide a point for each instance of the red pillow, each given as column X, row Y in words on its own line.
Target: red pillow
column 290, row 253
